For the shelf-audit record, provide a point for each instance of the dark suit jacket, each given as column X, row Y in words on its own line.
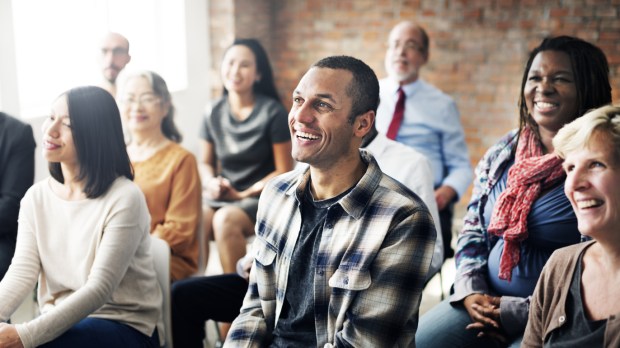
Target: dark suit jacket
column 16, row 176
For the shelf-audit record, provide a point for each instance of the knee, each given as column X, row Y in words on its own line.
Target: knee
column 226, row 222
column 181, row 294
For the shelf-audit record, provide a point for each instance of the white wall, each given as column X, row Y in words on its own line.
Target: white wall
column 189, row 103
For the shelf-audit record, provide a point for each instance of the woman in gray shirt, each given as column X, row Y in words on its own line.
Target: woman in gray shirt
column 245, row 142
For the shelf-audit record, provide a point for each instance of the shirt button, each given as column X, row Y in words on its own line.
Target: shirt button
column 329, row 226
column 346, row 281
column 321, row 272
column 561, row 319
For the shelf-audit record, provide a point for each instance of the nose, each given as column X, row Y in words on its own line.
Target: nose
column 545, row 86
column 50, row 128
column 576, row 180
column 302, row 113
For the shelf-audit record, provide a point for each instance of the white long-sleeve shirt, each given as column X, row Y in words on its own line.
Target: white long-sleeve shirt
column 413, row 170
column 91, row 258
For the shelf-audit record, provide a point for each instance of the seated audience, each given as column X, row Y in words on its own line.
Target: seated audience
column 245, row 143
column 84, row 236
column 192, row 299
column 575, row 303
column 16, row 176
column 518, row 214
column 343, row 258
column 163, row 169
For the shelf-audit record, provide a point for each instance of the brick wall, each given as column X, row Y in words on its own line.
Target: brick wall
column 478, row 48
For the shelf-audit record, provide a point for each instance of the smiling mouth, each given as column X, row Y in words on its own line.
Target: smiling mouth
column 49, row 146
column 545, row 106
column 589, row 203
column 307, row 136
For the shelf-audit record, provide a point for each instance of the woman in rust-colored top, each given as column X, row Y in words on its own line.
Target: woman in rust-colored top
column 165, row 171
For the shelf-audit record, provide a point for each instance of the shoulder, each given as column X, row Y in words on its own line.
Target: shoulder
column 14, row 128
column 392, row 192
column 38, row 191
column 427, row 90
column 568, row 255
column 395, row 148
column 123, row 189
column 11, row 122
column 505, row 144
column 177, row 153
column 284, row 182
column 215, row 107
column 388, row 192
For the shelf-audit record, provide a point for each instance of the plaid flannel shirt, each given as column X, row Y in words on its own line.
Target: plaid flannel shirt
column 373, row 257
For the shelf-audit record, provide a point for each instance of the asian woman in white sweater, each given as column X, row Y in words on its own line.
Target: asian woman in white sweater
column 84, row 236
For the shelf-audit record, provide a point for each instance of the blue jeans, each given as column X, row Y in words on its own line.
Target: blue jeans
column 444, row 326
column 102, row 333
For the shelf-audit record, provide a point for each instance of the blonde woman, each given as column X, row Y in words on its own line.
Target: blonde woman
column 575, row 303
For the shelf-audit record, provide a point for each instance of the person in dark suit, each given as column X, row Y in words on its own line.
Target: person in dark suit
column 16, row 176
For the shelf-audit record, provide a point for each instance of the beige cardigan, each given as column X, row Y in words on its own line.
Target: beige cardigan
column 547, row 309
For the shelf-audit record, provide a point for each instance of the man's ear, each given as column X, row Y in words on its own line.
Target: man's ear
column 363, row 123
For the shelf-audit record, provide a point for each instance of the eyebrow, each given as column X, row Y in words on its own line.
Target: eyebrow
column 554, row 72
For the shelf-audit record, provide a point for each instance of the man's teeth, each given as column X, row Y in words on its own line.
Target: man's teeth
column 307, row 135
column 589, row 203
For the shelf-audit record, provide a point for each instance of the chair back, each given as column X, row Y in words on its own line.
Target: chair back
column 161, row 260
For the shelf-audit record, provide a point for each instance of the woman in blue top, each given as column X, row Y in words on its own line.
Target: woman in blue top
column 518, row 214
column 245, row 142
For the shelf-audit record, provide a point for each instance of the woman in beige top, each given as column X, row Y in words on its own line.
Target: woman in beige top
column 575, row 303
column 165, row 171
column 84, row 236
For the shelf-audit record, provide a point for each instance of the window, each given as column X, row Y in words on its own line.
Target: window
column 57, row 44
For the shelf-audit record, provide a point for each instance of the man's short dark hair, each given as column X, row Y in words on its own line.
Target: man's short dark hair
column 363, row 88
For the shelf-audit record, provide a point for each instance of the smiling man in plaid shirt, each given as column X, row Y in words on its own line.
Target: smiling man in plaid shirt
column 341, row 249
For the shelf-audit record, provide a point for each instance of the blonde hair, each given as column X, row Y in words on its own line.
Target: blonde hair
column 602, row 122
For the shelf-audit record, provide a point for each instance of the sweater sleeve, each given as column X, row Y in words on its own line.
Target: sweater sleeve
column 121, row 237
column 473, row 243
column 21, row 276
column 183, row 212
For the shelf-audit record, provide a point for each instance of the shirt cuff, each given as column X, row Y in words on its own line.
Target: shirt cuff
column 459, row 181
column 467, row 285
column 513, row 312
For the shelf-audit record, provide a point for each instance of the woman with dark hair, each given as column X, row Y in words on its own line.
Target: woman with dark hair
column 84, row 236
column 245, row 142
column 164, row 170
column 518, row 214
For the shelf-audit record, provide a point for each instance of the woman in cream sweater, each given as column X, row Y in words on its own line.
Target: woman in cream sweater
column 84, row 235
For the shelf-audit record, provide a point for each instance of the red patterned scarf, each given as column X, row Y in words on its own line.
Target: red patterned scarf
column 531, row 173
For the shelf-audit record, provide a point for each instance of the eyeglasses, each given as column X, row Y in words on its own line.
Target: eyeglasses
column 408, row 45
column 145, row 100
column 117, row 51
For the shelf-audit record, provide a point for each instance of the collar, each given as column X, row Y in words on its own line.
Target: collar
column 355, row 202
column 409, row 88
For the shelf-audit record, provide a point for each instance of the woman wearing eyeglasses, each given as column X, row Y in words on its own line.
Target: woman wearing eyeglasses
column 165, row 171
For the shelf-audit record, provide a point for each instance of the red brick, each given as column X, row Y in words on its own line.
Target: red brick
column 478, row 47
